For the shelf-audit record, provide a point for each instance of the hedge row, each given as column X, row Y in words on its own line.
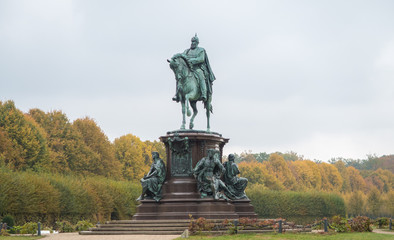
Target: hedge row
column 301, row 207
column 47, row 198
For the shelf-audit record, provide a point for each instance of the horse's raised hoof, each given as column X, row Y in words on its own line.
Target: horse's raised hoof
column 189, row 113
column 191, row 125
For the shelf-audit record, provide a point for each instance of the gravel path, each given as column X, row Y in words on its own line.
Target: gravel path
column 381, row 231
column 76, row 236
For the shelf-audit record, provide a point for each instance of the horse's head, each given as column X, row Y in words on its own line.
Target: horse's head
column 179, row 65
column 173, row 63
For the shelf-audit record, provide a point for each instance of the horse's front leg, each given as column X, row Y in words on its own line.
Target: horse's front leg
column 194, row 107
column 187, row 97
column 183, row 115
column 208, row 109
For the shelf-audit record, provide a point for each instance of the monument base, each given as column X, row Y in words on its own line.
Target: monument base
column 181, row 198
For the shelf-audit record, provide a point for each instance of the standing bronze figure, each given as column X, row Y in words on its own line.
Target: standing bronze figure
column 194, row 79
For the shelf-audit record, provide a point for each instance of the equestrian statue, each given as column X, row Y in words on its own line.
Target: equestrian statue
column 194, row 79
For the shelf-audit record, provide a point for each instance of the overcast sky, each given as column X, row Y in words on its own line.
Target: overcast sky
column 314, row 77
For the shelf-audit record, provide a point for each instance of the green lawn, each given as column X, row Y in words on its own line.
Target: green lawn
column 298, row 236
column 19, row 238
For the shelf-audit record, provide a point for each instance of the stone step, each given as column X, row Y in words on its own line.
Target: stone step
column 140, row 229
column 168, row 227
column 109, row 225
column 130, row 232
column 147, row 221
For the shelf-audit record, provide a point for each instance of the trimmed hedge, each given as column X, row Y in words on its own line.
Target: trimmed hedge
column 301, row 207
column 48, row 198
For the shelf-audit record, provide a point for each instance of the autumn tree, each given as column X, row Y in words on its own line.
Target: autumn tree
column 278, row 167
column 68, row 150
column 256, row 173
column 55, row 125
column 382, row 179
column 155, row 146
column 307, row 174
column 103, row 161
column 356, row 181
column 374, row 201
column 356, row 204
column 291, row 156
column 340, row 165
column 331, row 178
column 248, row 156
column 10, row 153
column 131, row 152
column 26, row 136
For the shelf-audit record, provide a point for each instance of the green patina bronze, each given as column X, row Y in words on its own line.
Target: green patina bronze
column 194, row 79
column 236, row 185
column 153, row 181
column 207, row 173
column 181, row 157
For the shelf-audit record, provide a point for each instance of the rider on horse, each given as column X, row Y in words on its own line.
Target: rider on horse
column 198, row 59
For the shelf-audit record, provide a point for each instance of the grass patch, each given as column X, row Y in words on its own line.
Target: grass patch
column 20, row 238
column 298, row 236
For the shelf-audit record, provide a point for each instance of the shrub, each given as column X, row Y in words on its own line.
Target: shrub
column 383, row 221
column 340, row 224
column 300, row 207
column 248, row 222
column 9, row 220
column 28, row 197
column 64, row 226
column 45, row 197
column 83, row 225
column 231, row 228
column 361, row 224
column 15, row 230
column 29, row 228
column 3, row 232
column 199, row 225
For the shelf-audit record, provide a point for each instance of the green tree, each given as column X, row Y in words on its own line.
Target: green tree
column 356, row 204
column 374, row 201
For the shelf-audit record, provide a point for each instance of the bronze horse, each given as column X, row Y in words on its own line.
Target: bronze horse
column 188, row 89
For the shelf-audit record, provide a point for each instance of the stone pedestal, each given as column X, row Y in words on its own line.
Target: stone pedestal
column 180, row 196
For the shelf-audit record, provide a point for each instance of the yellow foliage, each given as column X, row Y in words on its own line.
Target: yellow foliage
column 331, row 179
column 257, row 173
column 278, row 167
column 307, row 174
column 26, row 136
column 103, row 161
column 356, row 181
column 130, row 151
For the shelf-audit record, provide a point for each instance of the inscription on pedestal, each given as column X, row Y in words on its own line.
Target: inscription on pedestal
column 181, row 158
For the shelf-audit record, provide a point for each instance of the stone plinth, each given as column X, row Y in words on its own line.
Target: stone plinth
column 180, row 195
